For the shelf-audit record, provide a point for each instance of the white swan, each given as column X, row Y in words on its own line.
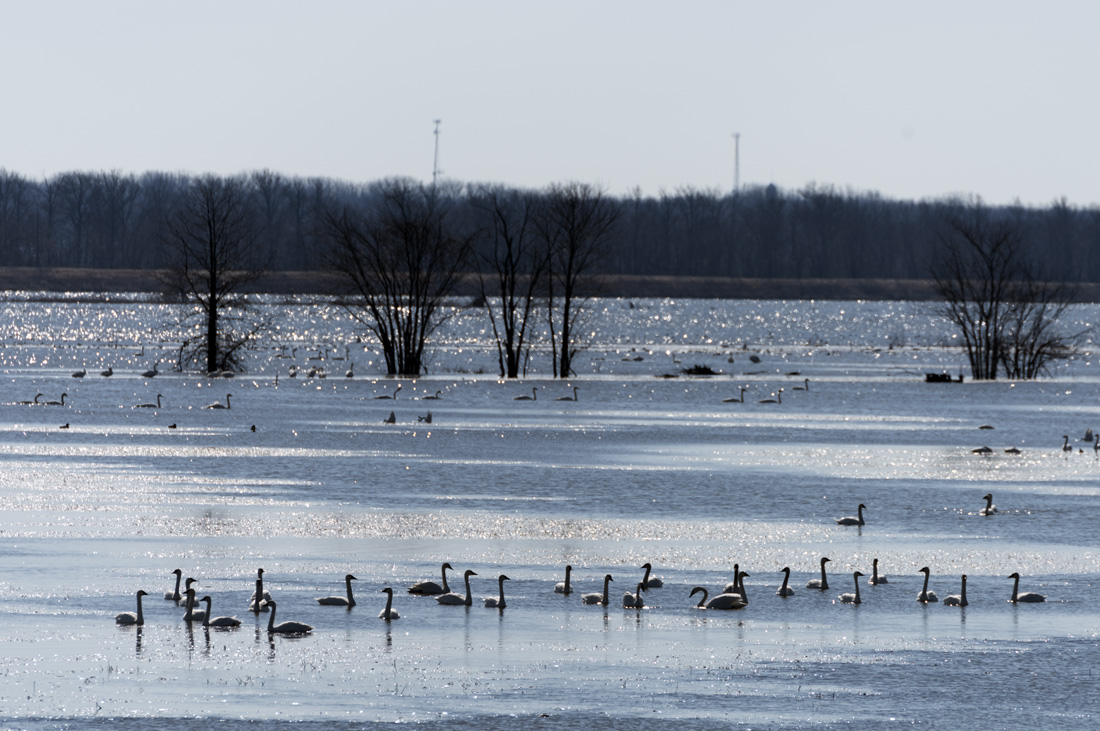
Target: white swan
column 741, row 576
column 259, row 599
column 454, row 599
column 497, row 602
column 785, row 590
column 876, row 578
column 389, row 612
column 595, row 598
column 989, row 508
column 823, row 582
column 191, row 614
column 150, row 406
column 533, row 397
column 217, row 621
column 722, row 601
column 563, row 587
column 387, row 396
column 219, row 404
column 925, row 594
column 151, row 373
column 634, row 601
column 175, row 595
column 856, row 520
column 430, row 588
column 740, row 400
column 339, row 601
column 127, row 618
column 651, row 583
column 777, row 400
column 568, row 398
column 734, row 587
column 853, row 598
column 285, row 628
column 58, row 403
column 1027, row 596
column 107, row 373
column 81, row 373
column 957, row 600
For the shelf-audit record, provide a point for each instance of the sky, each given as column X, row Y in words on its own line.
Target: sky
column 993, row 98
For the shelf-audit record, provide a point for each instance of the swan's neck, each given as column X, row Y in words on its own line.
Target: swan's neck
column 501, row 602
column 606, row 584
column 822, row 572
column 469, row 597
column 350, row 600
column 446, row 589
column 389, row 602
column 926, row 575
column 206, row 618
column 271, row 620
column 703, row 601
column 1015, row 588
column 786, row 578
column 963, row 592
column 140, row 618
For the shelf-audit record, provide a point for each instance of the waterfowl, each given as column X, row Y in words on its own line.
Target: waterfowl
column 58, row 403
column 1065, row 443
column 804, row 387
column 150, row 406
column 285, row 628
column 497, row 602
column 634, row 601
column 1027, row 596
column 191, row 614
column 387, row 396
column 734, row 587
column 430, row 587
column 849, row 520
column 457, row 599
column 785, row 590
column 389, row 612
column 84, row 371
column 739, row 400
column 595, row 598
column 853, row 598
column 925, row 594
column 722, row 601
column 989, row 509
column 777, row 400
column 650, row 583
column 31, row 403
column 957, row 600
column 217, row 621
column 219, row 404
column 436, row 397
column 1013, row 450
column 568, row 398
column 823, row 582
column 151, row 373
column 107, row 373
column 127, row 618
column 391, row 419
column 876, row 578
column 563, row 587
column 174, row 595
column 533, row 397
column 982, row 450
column 259, row 599
column 339, row 601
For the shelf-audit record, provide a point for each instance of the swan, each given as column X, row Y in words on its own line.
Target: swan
column 568, row 398
column 389, row 612
column 1013, row 450
column 127, row 618
column 259, row 599
column 107, row 373
column 84, row 371
column 426, row 419
column 926, row 595
column 150, row 406
column 175, row 595
column 982, row 450
column 1065, row 444
column 31, row 403
column 849, row 520
column 722, row 601
column 436, row 397
column 533, row 397
column 804, row 387
column 734, row 587
column 634, row 601
column 285, row 628
column 454, row 599
column 493, row 602
column 563, row 587
column 58, row 403
column 387, row 396
column 1027, row 596
column 876, row 579
column 217, row 621
column 596, row 598
column 430, row 587
column 191, row 614
column 648, row 583
column 219, row 404
column 777, row 400
column 853, row 598
column 822, row 583
column 292, row 371
column 351, row 371
column 741, row 576
column 785, row 590
column 339, row 601
column 989, row 508
column 391, row 419
column 1088, row 435
column 957, row 600
column 732, row 400
column 151, row 373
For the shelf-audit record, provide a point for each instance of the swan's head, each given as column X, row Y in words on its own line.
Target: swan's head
column 925, row 571
column 448, row 566
column 1014, row 575
column 470, row 572
column 858, row 574
column 698, row 589
column 987, row 496
column 206, row 599
column 349, row 577
column 607, row 577
column 142, row 592
column 178, row 572
column 189, row 582
column 825, row 560
column 862, row 507
column 271, row 603
column 647, row 566
column 743, row 575
column 260, row 573
column 387, row 590
column 785, row 570
column 502, row 578
column 874, row 562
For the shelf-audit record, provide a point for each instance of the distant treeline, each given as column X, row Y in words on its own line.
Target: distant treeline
column 113, row 220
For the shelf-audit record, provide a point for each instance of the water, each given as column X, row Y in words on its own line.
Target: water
column 640, row 469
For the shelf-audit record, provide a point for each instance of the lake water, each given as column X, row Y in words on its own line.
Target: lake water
column 639, row 469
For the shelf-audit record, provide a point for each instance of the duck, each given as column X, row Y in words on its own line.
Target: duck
column 132, row 618
column 497, row 602
column 876, row 577
column 454, row 599
column 823, row 582
column 989, row 508
column 389, row 612
column 651, row 583
column 722, row 601
column 430, row 588
column 785, row 590
column 533, row 397
column 224, row 622
column 853, row 598
column 634, row 601
column 391, row 419
column 596, row 598
column 339, row 601
column 957, row 600
column 219, row 404
column 285, row 628
column 563, row 587
column 982, row 450
column 150, row 406
column 926, row 595
column 174, row 595
column 1027, row 596
column 850, row 520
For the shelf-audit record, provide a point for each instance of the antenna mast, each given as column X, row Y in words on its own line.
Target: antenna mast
column 736, row 162
column 435, row 164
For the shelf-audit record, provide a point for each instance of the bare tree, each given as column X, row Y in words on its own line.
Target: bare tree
column 214, row 257
column 576, row 225
column 401, row 259
column 515, row 264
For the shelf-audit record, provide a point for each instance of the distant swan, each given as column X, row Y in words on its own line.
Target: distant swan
column 391, row 419
column 430, row 587
column 648, row 583
column 81, row 373
column 875, row 577
column 849, row 520
column 58, row 403
column 457, row 599
column 339, row 601
column 351, row 370
column 436, row 397
column 175, row 594
column 259, row 599
column 595, row 598
column 777, row 400
column 1027, row 596
column 804, row 387
column 853, row 598
column 387, row 396
column 31, row 403
column 497, row 602
column 127, row 618
column 957, row 600
column 389, row 612
column 533, row 397
column 568, row 398
column 151, row 373
column 149, row 406
column 563, row 587
column 739, row 400
column 634, row 601
column 285, row 628
column 220, row 405
column 107, row 373
column 989, row 508
column 785, row 590
column 823, row 582
column 722, row 601
column 217, row 621
column 926, row 595
column 1065, row 444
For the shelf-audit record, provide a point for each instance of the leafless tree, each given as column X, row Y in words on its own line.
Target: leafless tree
column 212, row 238
column 400, row 259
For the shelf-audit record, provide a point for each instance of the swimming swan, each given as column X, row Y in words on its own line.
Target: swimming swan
column 438, row 395
column 217, row 621
column 191, row 614
column 926, row 595
column 853, row 598
column 497, row 602
column 127, row 618
column 107, row 373
column 285, row 628
column 389, row 397
column 957, row 600
column 533, row 397
column 734, row 587
column 777, row 400
column 634, row 601
column 428, row 588
column 849, row 520
column 822, row 583
column 389, row 612
column 84, row 371
column 732, row 400
column 220, row 405
column 785, row 590
column 651, row 583
column 175, row 594
column 151, row 373
column 876, row 578
column 989, row 508
column 1027, row 596
column 722, row 601
column 58, row 403
column 568, row 398
column 563, row 587
column 457, row 599
column 259, row 599
column 150, row 406
column 31, row 403
column 339, row 601
column 595, row 598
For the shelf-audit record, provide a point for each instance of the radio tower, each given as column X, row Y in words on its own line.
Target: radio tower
column 736, row 162
column 435, row 164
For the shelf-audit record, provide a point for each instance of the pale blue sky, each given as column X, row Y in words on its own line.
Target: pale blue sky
column 913, row 100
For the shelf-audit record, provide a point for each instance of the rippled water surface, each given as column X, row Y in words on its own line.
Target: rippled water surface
column 641, row 468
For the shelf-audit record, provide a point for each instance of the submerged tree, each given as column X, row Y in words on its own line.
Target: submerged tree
column 400, row 258
column 213, row 257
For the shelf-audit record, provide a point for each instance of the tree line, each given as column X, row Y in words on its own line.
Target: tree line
column 110, row 219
